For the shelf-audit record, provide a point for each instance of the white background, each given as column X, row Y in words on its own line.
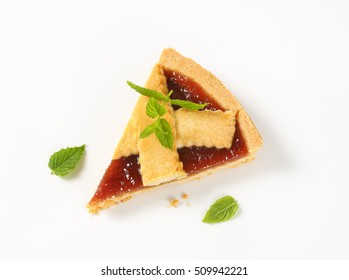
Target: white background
column 63, row 67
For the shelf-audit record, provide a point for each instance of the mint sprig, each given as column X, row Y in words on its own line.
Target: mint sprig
column 147, row 92
column 159, row 96
column 222, row 210
column 156, row 109
column 149, row 130
column 161, row 127
column 164, row 133
column 187, row 104
column 65, row 160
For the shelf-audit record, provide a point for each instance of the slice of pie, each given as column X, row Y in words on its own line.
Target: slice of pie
column 222, row 135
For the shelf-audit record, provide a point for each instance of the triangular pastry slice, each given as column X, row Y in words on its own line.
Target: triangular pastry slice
column 220, row 136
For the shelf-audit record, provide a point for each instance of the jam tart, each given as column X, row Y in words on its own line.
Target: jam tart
column 219, row 136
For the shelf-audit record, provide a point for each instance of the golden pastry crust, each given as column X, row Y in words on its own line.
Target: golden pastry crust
column 128, row 143
column 213, row 129
column 158, row 164
column 172, row 60
column 205, row 128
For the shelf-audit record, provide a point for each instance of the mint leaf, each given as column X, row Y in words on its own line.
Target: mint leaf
column 65, row 160
column 154, row 109
column 222, row 210
column 147, row 92
column 149, row 130
column 187, row 104
column 164, row 133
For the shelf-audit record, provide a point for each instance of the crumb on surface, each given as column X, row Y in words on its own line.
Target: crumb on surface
column 174, row 202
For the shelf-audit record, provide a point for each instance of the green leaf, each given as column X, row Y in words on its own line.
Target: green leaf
column 222, row 210
column 154, row 109
column 147, row 92
column 164, row 133
column 149, row 130
column 187, row 104
column 65, row 160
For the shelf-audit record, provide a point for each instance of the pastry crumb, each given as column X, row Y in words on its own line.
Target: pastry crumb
column 174, row 202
